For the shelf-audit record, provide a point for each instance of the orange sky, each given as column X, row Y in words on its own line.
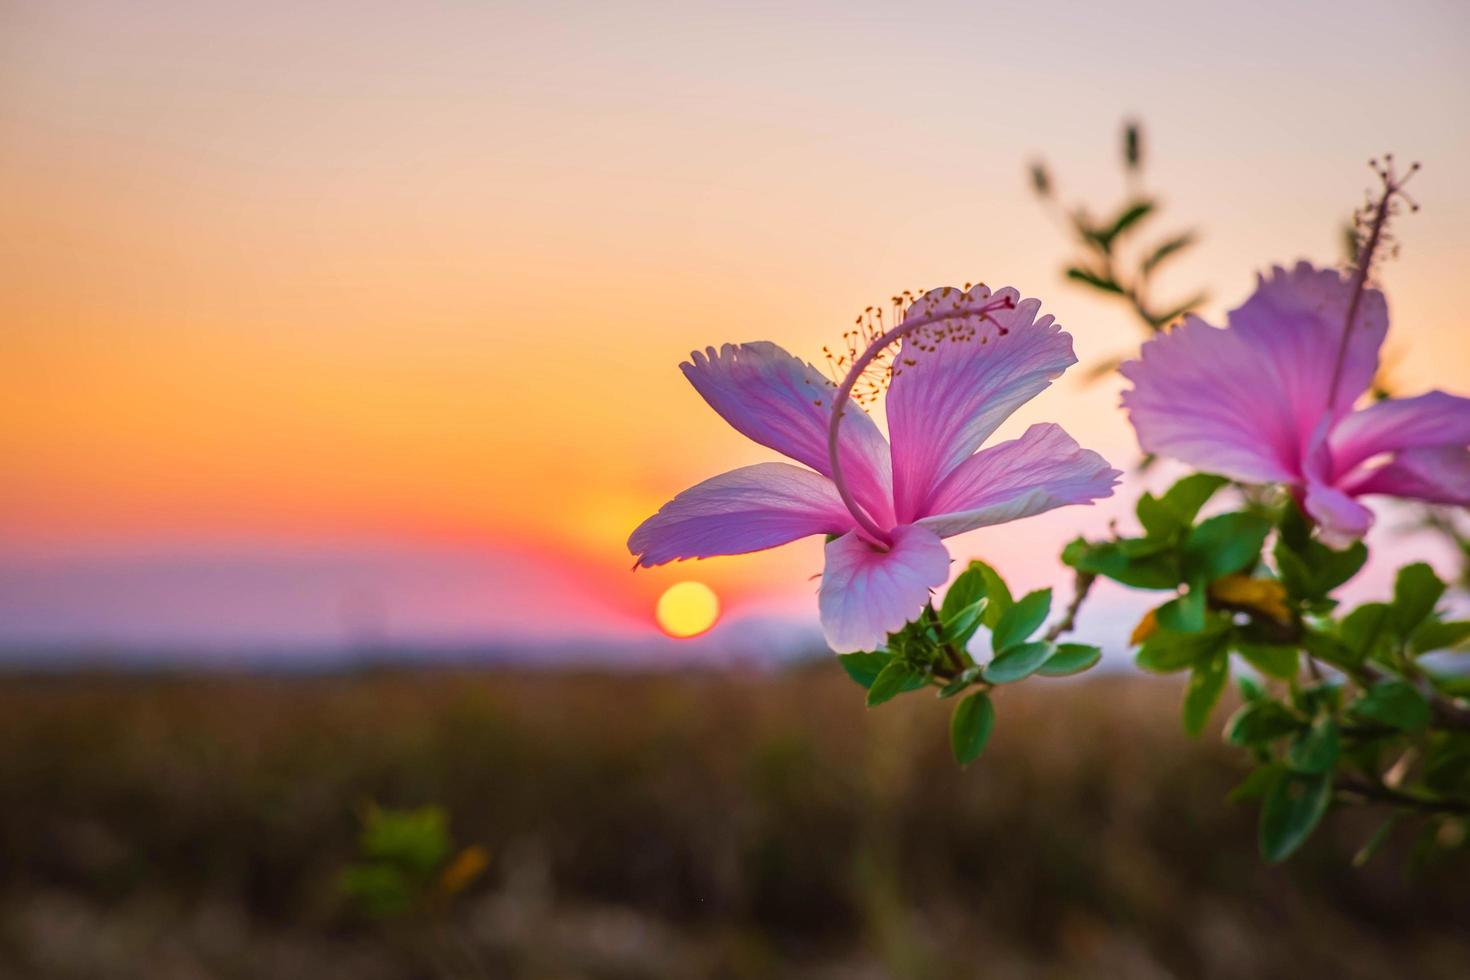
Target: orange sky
column 420, row 277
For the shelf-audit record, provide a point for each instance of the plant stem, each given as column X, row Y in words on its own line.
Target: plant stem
column 1379, row 793
column 1068, row 622
column 1449, row 714
column 956, row 662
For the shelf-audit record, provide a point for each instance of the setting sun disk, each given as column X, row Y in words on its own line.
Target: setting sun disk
column 687, row 609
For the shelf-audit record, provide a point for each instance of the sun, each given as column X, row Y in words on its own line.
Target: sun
column 687, row 609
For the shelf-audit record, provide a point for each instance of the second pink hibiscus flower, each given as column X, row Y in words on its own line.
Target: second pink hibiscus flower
column 1256, row 401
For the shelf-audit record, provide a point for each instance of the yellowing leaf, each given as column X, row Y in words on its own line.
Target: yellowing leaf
column 1147, row 627
column 1257, row 595
column 467, row 865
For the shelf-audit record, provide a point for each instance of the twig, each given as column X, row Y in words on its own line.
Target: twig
column 1379, row 793
column 956, row 662
column 1449, row 713
column 1068, row 622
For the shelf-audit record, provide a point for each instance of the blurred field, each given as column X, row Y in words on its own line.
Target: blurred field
column 696, row 825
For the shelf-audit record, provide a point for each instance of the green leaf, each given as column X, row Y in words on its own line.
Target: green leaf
column 382, row 891
column 1186, row 613
column 963, row 625
column 1455, row 686
column 1260, row 722
column 892, row 681
column 1132, row 145
column 1157, row 518
column 1135, row 548
column 1380, row 836
column 992, row 587
column 1206, row 683
column 1017, row 662
column 1295, row 527
column 864, row 667
column 1435, row 635
column 1365, row 631
column 1415, row 592
column 1296, row 574
column 1070, row 658
column 1187, row 496
column 1323, row 697
column 1167, row 651
column 968, row 588
column 1294, row 805
column 1224, row 544
column 1130, row 216
column 1314, row 750
column 969, row 727
column 1273, row 661
column 1173, row 246
column 1393, row 702
column 1328, row 649
column 1255, row 784
column 1094, row 280
column 1021, row 620
column 1161, row 654
column 961, row 681
column 1250, row 688
column 1310, row 569
column 1447, row 766
column 1113, row 560
column 1336, row 567
column 416, row 841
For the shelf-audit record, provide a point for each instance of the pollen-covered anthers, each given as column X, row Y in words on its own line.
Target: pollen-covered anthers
column 916, row 323
column 949, row 316
column 924, row 326
column 867, row 329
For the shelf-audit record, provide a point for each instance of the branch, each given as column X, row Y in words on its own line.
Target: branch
column 1378, row 793
column 1448, row 712
column 1068, row 622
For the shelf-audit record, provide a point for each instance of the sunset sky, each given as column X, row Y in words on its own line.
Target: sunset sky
column 360, row 320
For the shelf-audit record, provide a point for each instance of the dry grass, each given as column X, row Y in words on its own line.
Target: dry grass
column 668, row 826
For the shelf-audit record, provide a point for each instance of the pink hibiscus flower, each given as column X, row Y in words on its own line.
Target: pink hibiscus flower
column 1269, row 399
column 967, row 361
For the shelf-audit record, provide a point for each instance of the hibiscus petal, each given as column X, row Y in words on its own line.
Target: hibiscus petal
column 749, row 509
column 1297, row 318
column 1341, row 518
column 1438, row 474
column 1204, row 395
column 1042, row 470
column 948, row 396
column 1245, row 402
column 1428, row 420
column 784, row 404
column 867, row 594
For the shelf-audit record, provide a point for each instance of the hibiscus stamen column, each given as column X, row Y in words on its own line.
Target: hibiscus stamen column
column 1377, row 215
column 881, row 538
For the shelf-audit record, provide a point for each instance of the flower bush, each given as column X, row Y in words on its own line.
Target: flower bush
column 1248, row 552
